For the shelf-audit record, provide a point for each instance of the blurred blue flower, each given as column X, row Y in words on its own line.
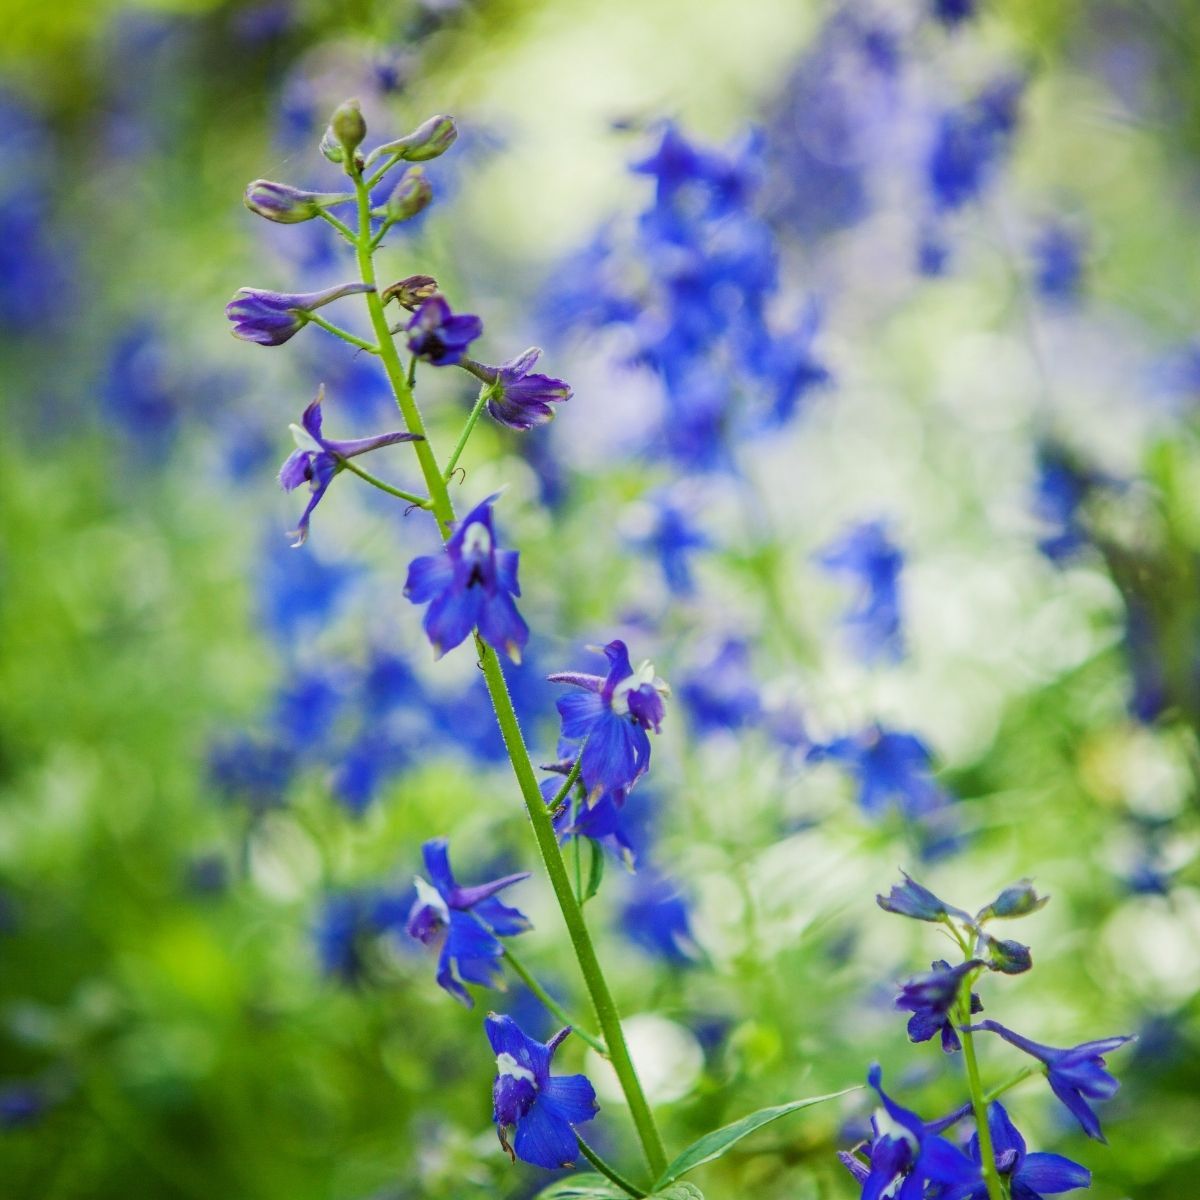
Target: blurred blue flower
column 655, row 917
column 953, row 12
column 298, row 593
column 340, row 932
column 543, row 1109
column 723, row 693
column 306, row 707
column 1058, row 257
column 891, row 769
column 673, row 539
column 1027, row 1176
column 1076, row 1075
column 254, row 772
column 873, row 562
column 470, row 585
column 969, row 142
column 21, row 1104
column 611, row 715
column 464, row 922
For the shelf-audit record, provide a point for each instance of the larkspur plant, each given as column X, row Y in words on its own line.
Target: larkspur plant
column 701, row 225
column 469, row 590
column 908, row 1157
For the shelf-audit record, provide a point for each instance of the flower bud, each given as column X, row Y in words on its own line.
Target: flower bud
column 348, row 127
column 331, row 147
column 288, row 205
column 411, row 292
column 1019, row 900
column 429, row 140
column 1008, row 957
column 409, row 196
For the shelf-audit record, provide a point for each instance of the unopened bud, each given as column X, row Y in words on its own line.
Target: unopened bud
column 288, row 205
column 331, row 147
column 409, row 196
column 1008, row 957
column 410, row 293
column 1019, row 900
column 429, row 140
column 347, row 126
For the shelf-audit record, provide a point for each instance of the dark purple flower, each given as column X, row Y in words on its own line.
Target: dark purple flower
column 542, row 1108
column 470, row 585
column 440, row 337
column 317, row 459
column 272, row 318
column 890, row 768
column 1029, row 1176
column 910, row 899
column 517, row 398
column 868, row 556
column 464, row 922
column 612, row 713
column 906, row 1149
column 931, row 996
column 1076, row 1074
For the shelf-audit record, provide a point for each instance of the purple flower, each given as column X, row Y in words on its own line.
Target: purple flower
column 612, row 713
column 873, row 561
column 517, row 398
column 317, row 459
column 931, row 996
column 910, row 899
column 464, row 921
column 1029, row 1176
column 905, row 1148
column 440, row 337
column 1076, row 1075
column 286, row 205
column 272, row 318
column 470, row 585
column 542, row 1108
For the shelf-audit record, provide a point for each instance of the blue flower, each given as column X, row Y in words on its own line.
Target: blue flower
column 1061, row 490
column 465, row 922
column 601, row 821
column 317, row 459
column 252, row 771
column 21, row 1104
column 931, row 996
column 340, row 934
column 612, row 713
column 674, row 539
column 1058, row 254
column 906, row 1149
column 519, row 399
column 1076, row 1075
column 911, row 899
column 656, row 918
column 969, row 142
column 542, row 1108
column 890, row 768
column 299, row 593
column 723, row 694
column 440, row 337
column 1029, row 1176
column 873, row 561
column 272, row 318
column 470, row 585
column 953, row 12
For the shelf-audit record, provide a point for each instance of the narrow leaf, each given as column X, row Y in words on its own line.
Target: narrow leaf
column 595, row 871
column 713, row 1145
column 589, row 1186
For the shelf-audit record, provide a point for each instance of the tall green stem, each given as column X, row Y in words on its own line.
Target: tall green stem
column 607, row 1015
column 987, row 1152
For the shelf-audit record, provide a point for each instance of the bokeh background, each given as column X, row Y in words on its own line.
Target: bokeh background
column 952, row 291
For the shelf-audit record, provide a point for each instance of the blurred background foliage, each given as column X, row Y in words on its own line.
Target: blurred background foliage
column 219, row 756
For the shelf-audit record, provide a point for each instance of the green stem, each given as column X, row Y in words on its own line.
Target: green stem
column 607, row 1171
column 378, row 174
column 379, row 236
column 607, row 1016
column 543, row 828
column 551, row 1005
column 484, row 392
column 1020, row 1077
column 344, row 334
column 341, row 227
column 367, row 477
column 987, row 1152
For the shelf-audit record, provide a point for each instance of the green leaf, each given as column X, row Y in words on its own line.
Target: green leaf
column 678, row 1191
column 595, row 871
column 713, row 1145
column 582, row 1187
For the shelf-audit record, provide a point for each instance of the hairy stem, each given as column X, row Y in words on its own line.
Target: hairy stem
column 399, row 493
column 551, row 1005
column 607, row 1015
column 344, row 334
column 468, row 429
